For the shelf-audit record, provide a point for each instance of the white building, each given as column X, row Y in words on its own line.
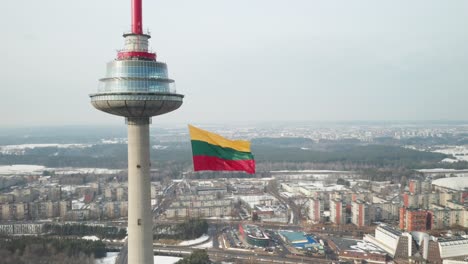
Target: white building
column 453, row 247
column 386, row 238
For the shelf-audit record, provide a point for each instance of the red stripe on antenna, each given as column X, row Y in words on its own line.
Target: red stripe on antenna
column 137, row 24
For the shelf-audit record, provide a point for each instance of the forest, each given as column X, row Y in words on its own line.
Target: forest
column 80, row 230
column 189, row 229
column 115, row 156
column 23, row 250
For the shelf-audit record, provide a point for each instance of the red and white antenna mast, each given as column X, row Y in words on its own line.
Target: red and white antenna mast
column 137, row 17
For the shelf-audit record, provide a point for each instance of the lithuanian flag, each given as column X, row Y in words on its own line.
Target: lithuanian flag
column 215, row 153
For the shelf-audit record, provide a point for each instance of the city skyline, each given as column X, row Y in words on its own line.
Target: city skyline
column 324, row 60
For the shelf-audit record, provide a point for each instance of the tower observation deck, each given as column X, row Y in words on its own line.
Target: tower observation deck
column 137, row 87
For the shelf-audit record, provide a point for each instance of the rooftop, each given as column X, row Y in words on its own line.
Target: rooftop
column 254, row 231
column 455, row 183
column 356, row 245
column 391, row 230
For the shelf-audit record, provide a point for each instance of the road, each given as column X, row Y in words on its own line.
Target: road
column 247, row 255
column 296, row 215
column 166, row 199
column 223, row 254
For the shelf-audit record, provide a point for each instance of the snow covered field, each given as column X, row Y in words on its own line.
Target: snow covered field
column 459, row 152
column 21, row 169
column 194, row 241
column 24, row 169
column 21, row 149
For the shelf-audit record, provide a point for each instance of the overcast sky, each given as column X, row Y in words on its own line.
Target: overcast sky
column 243, row 60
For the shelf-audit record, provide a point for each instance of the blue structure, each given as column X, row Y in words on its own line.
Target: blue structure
column 299, row 239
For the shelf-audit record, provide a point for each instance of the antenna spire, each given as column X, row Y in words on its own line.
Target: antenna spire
column 137, row 24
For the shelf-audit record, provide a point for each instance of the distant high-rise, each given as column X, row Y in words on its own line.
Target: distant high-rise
column 315, row 210
column 137, row 87
column 414, row 219
column 360, row 211
column 337, row 212
column 415, row 186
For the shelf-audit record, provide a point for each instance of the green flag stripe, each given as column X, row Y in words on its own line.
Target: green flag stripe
column 201, row 148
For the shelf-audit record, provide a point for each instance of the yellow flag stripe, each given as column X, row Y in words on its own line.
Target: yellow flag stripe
column 214, row 139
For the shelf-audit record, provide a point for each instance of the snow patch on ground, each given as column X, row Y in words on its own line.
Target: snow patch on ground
column 77, row 204
column 109, row 259
column 194, row 241
column 448, row 160
column 114, row 141
column 115, row 240
column 459, row 152
column 68, row 188
column 219, row 218
column 67, row 171
column 92, row 238
column 436, row 170
column 158, row 147
column 112, row 256
column 208, row 244
column 165, row 259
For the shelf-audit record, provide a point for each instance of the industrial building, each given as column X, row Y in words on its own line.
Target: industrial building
column 389, row 239
column 299, row 239
column 208, row 205
column 253, row 235
column 253, row 200
column 441, row 249
column 406, row 245
column 270, row 214
column 357, row 250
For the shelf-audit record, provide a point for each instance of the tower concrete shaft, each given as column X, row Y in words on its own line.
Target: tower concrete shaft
column 140, row 223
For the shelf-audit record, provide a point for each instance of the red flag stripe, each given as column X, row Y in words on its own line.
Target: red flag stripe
column 201, row 163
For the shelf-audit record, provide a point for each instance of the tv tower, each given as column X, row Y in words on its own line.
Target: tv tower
column 137, row 87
